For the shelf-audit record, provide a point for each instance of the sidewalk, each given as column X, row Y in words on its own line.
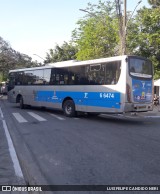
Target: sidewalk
column 154, row 114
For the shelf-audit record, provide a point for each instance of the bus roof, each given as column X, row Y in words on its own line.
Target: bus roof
column 72, row 63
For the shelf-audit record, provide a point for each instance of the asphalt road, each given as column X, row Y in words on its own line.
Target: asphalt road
column 55, row 150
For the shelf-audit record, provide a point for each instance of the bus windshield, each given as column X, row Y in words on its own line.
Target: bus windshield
column 140, row 68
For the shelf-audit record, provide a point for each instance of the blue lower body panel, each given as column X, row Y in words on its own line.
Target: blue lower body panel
column 95, row 99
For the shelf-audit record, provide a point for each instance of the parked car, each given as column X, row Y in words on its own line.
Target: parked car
column 3, row 87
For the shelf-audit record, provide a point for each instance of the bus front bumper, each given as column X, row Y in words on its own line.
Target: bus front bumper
column 142, row 107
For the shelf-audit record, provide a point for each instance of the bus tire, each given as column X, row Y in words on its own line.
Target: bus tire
column 21, row 104
column 69, row 108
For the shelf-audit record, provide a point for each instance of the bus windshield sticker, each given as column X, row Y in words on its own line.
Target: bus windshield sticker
column 142, row 90
column 141, row 75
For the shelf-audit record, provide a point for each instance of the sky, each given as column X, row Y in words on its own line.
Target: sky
column 35, row 26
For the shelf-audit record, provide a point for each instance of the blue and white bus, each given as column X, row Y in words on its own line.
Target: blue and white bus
column 121, row 84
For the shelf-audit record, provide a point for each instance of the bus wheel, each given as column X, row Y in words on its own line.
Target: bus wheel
column 21, row 103
column 69, row 108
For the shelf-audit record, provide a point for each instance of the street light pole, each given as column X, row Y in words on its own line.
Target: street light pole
column 125, row 25
column 124, row 29
column 84, row 10
column 93, row 15
column 39, row 57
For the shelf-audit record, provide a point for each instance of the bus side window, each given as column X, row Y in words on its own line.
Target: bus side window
column 19, row 78
column 11, row 81
column 46, row 76
column 83, row 81
column 53, row 77
column 62, row 76
column 28, row 78
column 74, row 75
column 95, row 74
column 38, row 77
column 112, row 72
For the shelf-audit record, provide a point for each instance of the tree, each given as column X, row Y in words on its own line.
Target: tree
column 154, row 3
column 11, row 59
column 61, row 53
column 97, row 33
column 147, row 38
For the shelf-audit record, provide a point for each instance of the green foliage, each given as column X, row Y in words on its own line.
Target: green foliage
column 11, row 59
column 97, row 34
column 61, row 53
column 154, row 3
column 147, row 38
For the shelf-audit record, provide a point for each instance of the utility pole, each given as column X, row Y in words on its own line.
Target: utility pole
column 39, row 57
column 120, row 22
column 124, row 28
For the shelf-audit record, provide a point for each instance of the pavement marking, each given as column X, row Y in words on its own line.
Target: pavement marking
column 16, row 165
column 152, row 116
column 60, row 118
column 1, row 113
column 130, row 117
column 19, row 118
column 36, row 116
column 113, row 116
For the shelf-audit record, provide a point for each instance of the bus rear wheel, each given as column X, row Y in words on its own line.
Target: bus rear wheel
column 69, row 108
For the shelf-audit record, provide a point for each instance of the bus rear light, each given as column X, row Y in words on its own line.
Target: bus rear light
column 128, row 91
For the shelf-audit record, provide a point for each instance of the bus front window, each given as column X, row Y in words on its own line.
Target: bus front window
column 11, row 83
column 140, row 68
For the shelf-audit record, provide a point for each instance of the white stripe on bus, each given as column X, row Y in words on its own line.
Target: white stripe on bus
column 39, row 118
column 19, row 118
